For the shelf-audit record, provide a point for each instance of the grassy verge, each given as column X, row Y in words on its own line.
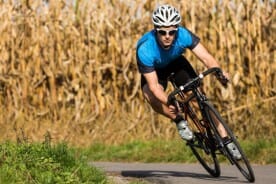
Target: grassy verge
column 257, row 151
column 43, row 163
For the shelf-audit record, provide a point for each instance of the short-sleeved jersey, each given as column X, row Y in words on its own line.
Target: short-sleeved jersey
column 150, row 55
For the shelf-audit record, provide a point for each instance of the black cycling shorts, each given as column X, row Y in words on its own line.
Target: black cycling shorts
column 180, row 67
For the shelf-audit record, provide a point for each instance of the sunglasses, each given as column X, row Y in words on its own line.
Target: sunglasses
column 164, row 32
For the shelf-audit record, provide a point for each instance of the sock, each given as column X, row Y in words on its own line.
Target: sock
column 226, row 140
column 178, row 118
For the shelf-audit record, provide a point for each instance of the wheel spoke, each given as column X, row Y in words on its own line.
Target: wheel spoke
column 205, row 155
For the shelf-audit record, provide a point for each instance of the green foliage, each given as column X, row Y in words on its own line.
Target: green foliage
column 43, row 163
column 262, row 151
column 175, row 151
column 151, row 151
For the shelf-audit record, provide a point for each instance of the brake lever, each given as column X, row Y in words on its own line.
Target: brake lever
column 222, row 79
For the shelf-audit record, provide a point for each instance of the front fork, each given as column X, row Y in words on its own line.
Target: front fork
column 214, row 139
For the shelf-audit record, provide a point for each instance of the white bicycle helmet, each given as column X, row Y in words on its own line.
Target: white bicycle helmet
column 166, row 15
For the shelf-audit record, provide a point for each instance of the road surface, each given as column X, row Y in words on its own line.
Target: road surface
column 172, row 173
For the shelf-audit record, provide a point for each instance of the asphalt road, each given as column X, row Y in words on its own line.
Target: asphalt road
column 171, row 173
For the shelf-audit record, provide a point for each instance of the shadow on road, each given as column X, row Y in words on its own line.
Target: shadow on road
column 151, row 174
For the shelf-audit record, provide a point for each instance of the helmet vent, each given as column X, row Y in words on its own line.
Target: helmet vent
column 166, row 15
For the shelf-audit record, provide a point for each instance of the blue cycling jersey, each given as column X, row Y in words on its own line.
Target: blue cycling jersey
column 151, row 55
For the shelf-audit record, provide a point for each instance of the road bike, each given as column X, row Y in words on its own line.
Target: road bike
column 203, row 118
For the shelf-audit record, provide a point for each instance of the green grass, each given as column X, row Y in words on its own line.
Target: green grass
column 152, row 151
column 261, row 151
column 43, row 163
column 257, row 151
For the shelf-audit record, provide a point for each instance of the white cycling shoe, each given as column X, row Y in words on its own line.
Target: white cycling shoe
column 234, row 150
column 184, row 131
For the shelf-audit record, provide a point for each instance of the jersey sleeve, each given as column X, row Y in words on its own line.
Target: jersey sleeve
column 195, row 40
column 188, row 39
column 144, row 57
column 144, row 63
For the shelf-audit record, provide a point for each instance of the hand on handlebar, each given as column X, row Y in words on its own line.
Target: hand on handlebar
column 223, row 78
column 171, row 100
column 173, row 109
column 172, row 104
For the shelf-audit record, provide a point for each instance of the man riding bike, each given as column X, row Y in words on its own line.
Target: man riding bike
column 159, row 53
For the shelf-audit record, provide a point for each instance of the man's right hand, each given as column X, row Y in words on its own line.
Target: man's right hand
column 173, row 109
column 171, row 100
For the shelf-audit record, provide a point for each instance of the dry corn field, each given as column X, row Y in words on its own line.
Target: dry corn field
column 69, row 71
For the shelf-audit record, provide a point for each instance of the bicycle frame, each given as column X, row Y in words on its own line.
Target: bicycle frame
column 200, row 98
column 186, row 108
column 207, row 136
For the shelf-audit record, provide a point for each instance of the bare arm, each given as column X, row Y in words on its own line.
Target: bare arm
column 155, row 87
column 207, row 59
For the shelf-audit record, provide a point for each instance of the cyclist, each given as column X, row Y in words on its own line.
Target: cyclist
column 159, row 53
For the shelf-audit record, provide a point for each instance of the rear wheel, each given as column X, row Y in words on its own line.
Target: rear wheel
column 242, row 164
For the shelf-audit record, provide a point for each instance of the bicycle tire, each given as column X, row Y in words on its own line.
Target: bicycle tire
column 208, row 160
column 203, row 149
column 242, row 164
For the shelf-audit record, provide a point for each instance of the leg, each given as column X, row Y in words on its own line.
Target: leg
column 163, row 109
column 160, row 108
column 221, row 129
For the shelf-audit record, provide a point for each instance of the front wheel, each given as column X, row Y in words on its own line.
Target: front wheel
column 201, row 147
column 242, row 164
